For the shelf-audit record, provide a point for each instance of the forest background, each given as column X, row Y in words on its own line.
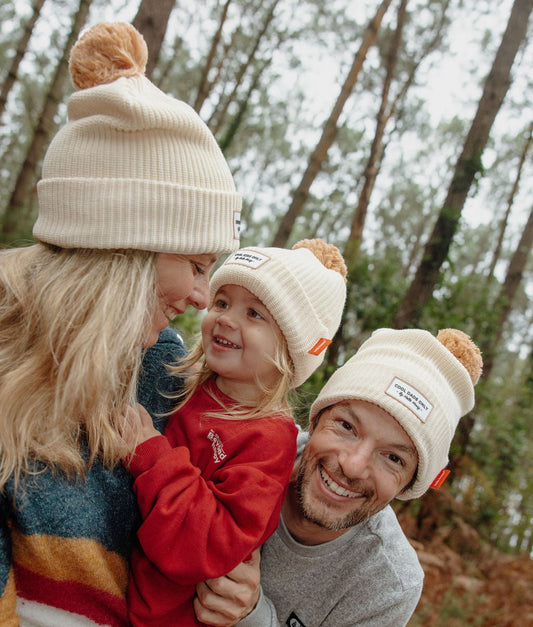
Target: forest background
column 399, row 130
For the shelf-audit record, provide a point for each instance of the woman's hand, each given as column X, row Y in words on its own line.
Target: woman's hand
column 225, row 600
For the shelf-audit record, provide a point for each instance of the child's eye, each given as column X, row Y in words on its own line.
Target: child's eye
column 255, row 314
column 221, row 303
column 198, row 269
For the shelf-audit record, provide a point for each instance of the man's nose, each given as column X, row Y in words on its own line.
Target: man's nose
column 356, row 461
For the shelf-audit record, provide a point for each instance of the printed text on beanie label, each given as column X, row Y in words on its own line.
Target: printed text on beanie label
column 411, row 398
column 249, row 258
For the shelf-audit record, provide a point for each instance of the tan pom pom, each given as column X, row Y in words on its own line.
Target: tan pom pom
column 105, row 52
column 328, row 254
column 462, row 347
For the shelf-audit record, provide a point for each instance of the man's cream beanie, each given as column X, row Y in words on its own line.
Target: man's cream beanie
column 133, row 167
column 303, row 288
column 425, row 383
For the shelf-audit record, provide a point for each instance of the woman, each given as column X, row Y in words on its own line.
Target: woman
column 136, row 203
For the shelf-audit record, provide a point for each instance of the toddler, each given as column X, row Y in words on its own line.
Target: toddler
column 210, row 490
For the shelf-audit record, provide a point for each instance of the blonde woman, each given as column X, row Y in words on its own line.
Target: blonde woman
column 136, row 203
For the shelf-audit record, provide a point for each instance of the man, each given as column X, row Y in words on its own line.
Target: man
column 380, row 429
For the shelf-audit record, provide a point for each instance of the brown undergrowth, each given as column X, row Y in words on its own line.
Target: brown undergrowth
column 467, row 582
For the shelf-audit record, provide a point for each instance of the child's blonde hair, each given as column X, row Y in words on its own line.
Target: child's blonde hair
column 72, row 323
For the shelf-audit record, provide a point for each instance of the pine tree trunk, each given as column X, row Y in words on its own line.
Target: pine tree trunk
column 19, row 54
column 204, row 88
column 15, row 217
column 221, row 114
column 353, row 244
column 319, row 154
column 504, row 300
column 468, row 165
column 503, row 307
column 227, row 139
column 503, row 225
column 152, row 21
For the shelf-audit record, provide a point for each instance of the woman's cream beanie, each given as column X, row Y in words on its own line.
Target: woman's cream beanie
column 303, row 288
column 133, row 167
column 425, row 383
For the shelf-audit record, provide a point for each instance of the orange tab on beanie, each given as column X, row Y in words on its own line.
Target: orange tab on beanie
column 321, row 345
column 440, row 479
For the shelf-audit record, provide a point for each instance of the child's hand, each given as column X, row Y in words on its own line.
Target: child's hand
column 139, row 426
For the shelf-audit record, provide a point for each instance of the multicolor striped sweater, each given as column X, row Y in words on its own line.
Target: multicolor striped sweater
column 65, row 544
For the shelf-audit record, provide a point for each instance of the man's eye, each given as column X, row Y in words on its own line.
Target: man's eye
column 346, row 425
column 198, row 269
column 396, row 460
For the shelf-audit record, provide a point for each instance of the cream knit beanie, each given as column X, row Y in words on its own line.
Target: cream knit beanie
column 133, row 167
column 304, row 289
column 425, row 383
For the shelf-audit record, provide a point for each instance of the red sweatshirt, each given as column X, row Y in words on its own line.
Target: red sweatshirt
column 210, row 492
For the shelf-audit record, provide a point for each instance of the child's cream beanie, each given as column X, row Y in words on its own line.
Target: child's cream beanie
column 303, row 288
column 425, row 383
column 133, row 167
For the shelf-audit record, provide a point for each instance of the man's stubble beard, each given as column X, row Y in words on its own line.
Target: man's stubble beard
column 324, row 520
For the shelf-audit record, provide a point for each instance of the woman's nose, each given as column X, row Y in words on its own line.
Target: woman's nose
column 199, row 297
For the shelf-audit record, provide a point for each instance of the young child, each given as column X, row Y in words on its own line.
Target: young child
column 210, row 492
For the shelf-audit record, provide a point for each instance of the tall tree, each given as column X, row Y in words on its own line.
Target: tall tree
column 500, row 309
column 11, row 76
column 467, row 167
column 221, row 111
column 204, row 87
column 353, row 243
column 388, row 108
column 504, row 301
column 510, row 200
column 15, row 215
column 319, row 154
column 386, row 111
column 151, row 21
column 228, row 137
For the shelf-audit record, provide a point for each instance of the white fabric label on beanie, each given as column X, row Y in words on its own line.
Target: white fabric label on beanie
column 410, row 397
column 248, row 258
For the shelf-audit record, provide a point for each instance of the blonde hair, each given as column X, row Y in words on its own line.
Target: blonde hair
column 273, row 399
column 71, row 328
